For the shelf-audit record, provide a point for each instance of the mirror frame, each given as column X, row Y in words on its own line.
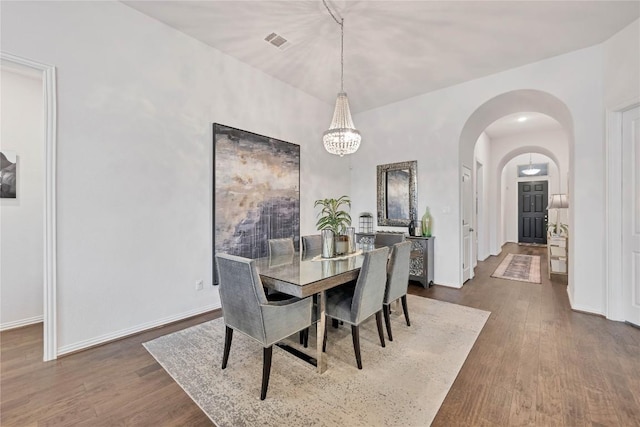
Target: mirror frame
column 412, row 166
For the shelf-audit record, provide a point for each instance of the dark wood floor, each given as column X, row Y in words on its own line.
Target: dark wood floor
column 536, row 362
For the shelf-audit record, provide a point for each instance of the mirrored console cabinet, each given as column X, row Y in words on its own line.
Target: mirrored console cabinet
column 421, row 263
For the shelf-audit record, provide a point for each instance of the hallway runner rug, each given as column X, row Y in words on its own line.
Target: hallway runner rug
column 403, row 384
column 523, row 268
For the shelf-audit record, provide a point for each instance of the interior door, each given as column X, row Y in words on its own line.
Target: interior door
column 631, row 214
column 532, row 212
column 467, row 204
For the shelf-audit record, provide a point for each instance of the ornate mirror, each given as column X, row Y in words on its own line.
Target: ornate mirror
column 397, row 193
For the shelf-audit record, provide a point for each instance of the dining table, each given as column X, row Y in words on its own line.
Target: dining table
column 306, row 274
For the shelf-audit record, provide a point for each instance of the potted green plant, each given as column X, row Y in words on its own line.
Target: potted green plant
column 332, row 218
column 557, row 228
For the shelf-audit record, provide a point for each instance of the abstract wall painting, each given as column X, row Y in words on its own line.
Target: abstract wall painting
column 257, row 192
column 8, row 176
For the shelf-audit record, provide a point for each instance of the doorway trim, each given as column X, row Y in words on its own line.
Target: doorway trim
column 613, row 211
column 480, row 231
column 467, row 203
column 50, row 229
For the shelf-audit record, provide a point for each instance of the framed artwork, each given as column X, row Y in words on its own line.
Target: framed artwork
column 8, row 176
column 397, row 193
column 256, row 180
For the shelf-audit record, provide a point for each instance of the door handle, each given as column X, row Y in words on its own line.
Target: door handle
column 470, row 229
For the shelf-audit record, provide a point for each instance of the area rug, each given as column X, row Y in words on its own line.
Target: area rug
column 523, row 268
column 403, row 384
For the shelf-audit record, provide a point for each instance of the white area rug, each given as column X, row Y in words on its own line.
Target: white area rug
column 403, row 384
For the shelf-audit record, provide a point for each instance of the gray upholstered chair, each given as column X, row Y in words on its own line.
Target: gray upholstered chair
column 278, row 247
column 397, row 282
column 312, row 243
column 388, row 239
column 355, row 305
column 246, row 309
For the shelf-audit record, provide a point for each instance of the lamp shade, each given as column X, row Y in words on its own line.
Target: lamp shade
column 558, row 201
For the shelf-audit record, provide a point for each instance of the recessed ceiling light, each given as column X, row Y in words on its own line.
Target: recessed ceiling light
column 522, row 119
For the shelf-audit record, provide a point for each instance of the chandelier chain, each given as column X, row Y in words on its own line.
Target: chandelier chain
column 342, row 56
column 341, row 23
column 331, row 13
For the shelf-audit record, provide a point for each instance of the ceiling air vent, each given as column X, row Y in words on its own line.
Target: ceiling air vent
column 277, row 40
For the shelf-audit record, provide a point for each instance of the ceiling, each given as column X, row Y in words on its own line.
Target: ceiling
column 521, row 123
column 393, row 49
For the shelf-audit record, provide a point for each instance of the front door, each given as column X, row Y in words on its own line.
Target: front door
column 532, row 212
column 631, row 214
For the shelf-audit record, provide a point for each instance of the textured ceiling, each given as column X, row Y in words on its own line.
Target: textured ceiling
column 393, row 49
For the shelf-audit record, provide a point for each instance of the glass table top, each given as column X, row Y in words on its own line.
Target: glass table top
column 305, row 269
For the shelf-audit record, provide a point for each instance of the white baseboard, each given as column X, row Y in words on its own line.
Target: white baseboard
column 448, row 285
column 20, row 323
column 582, row 308
column 70, row 348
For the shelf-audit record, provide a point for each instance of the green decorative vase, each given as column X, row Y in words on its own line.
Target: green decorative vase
column 426, row 224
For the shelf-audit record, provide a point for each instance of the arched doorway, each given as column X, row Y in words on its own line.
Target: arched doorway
column 524, row 100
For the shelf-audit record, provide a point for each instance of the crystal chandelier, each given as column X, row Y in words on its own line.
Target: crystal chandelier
column 342, row 137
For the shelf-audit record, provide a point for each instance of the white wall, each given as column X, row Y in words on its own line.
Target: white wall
column 622, row 67
column 621, row 91
column 136, row 100
column 482, row 154
column 428, row 128
column 21, row 219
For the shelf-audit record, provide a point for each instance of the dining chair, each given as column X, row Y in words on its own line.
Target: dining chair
column 388, row 239
column 397, row 282
column 311, row 243
column 278, row 247
column 355, row 305
column 246, row 309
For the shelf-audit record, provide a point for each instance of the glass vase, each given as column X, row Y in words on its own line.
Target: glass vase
column 426, row 223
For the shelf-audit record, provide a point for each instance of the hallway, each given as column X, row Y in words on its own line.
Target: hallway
column 538, row 362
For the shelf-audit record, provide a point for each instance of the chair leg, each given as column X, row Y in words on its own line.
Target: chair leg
column 355, row 334
column 302, row 336
column 405, row 309
column 228, row 336
column 306, row 338
column 334, row 323
column 324, row 339
column 387, row 321
column 266, row 370
column 379, row 323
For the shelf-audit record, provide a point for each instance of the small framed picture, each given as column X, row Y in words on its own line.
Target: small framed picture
column 8, row 176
